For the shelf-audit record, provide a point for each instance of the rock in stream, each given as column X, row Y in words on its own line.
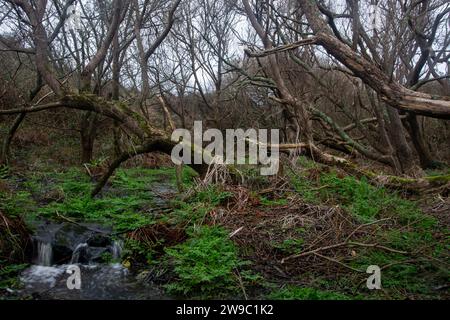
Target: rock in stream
column 60, row 246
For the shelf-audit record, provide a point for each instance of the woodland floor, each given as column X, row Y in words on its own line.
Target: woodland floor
column 309, row 234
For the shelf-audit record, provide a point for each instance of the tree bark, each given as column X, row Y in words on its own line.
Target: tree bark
column 87, row 135
column 398, row 141
column 415, row 132
column 4, row 157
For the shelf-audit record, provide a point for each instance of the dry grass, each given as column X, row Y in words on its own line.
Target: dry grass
column 262, row 230
column 158, row 235
column 15, row 241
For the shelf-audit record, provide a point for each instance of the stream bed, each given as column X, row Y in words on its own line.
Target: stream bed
column 60, row 247
column 98, row 282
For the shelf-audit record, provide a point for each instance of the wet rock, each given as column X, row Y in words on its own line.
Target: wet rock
column 70, row 236
column 61, row 254
column 99, row 240
column 73, row 243
column 143, row 277
column 81, row 254
column 97, row 254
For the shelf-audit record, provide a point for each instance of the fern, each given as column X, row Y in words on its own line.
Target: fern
column 204, row 264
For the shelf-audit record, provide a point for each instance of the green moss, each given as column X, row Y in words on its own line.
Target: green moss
column 212, row 194
column 305, row 188
column 402, row 275
column 17, row 203
column 141, row 178
column 273, row 202
column 305, row 293
column 139, row 251
column 307, row 163
column 121, row 213
column 67, row 193
column 407, row 240
column 365, row 201
column 438, row 179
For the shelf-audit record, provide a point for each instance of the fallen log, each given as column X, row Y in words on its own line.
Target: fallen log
column 390, row 181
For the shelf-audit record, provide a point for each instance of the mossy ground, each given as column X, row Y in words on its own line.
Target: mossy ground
column 187, row 241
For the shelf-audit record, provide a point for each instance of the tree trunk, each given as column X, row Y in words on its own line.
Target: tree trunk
column 415, row 132
column 87, row 135
column 398, row 141
column 4, row 156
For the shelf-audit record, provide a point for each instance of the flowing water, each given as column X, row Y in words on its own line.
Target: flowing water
column 79, row 250
column 116, row 249
column 44, row 254
column 59, row 247
column 98, row 281
column 48, row 280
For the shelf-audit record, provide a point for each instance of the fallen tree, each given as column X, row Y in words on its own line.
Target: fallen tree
column 420, row 184
column 146, row 137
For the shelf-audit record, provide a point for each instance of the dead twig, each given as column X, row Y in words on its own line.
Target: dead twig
column 79, row 224
column 338, row 262
column 342, row 244
column 365, row 225
column 241, row 284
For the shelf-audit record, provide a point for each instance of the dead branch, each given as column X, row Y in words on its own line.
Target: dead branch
column 291, row 46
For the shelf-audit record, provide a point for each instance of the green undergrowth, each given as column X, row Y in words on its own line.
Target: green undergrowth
column 415, row 271
column 305, row 293
column 139, row 252
column 123, row 203
column 363, row 200
column 194, row 210
column 290, row 245
column 8, row 274
column 273, row 202
column 207, row 265
column 414, row 274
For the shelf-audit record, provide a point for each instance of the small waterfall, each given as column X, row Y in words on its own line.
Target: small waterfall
column 116, row 249
column 44, row 254
column 80, row 251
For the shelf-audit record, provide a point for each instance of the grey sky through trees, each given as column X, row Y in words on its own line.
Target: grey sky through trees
column 240, row 32
column 303, row 59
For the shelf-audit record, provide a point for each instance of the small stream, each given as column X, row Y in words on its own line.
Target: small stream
column 59, row 246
